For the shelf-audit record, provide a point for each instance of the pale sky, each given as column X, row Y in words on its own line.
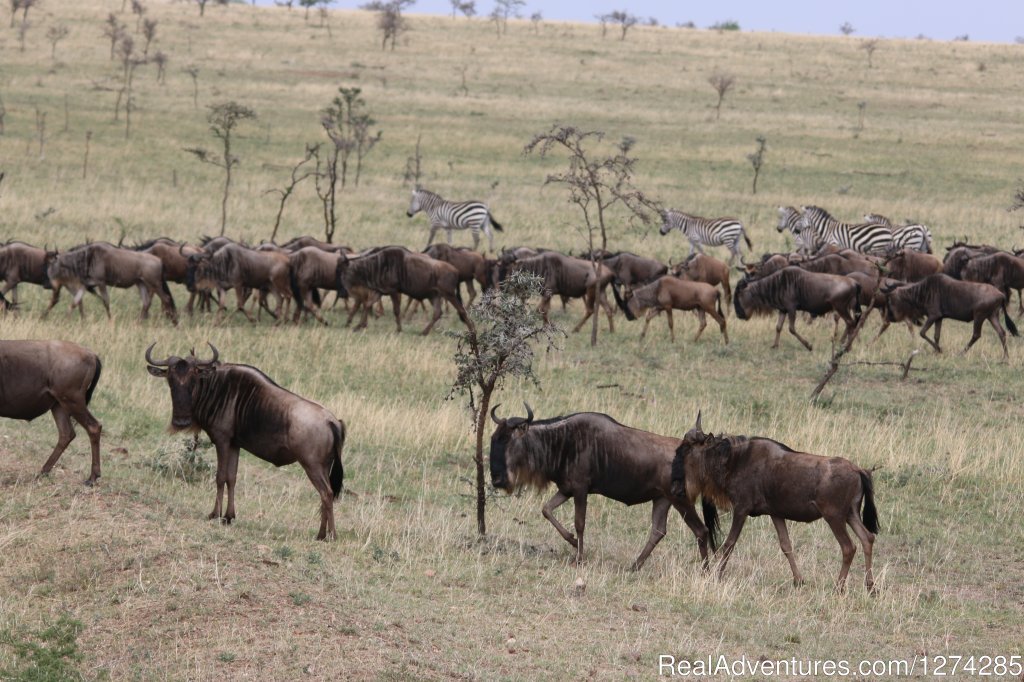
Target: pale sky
column 982, row 20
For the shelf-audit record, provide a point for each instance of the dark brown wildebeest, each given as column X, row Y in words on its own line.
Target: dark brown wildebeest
column 20, row 262
column 770, row 263
column 393, row 271
column 836, row 264
column 52, row 376
column 174, row 256
column 566, row 276
column 701, row 267
column 959, row 253
column 470, row 264
column 793, row 289
column 912, row 266
column 214, row 244
column 243, row 269
column 99, row 265
column 669, row 293
column 311, row 269
column 760, row 476
column 1002, row 270
column 586, row 453
column 939, row 296
column 297, row 243
column 240, row 407
column 630, row 269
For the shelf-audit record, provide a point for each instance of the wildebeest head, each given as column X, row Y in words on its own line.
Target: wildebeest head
column 508, row 432
column 181, row 375
column 198, row 275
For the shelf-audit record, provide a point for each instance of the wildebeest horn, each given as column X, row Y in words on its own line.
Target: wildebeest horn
column 156, row 363
column 216, row 354
column 529, row 413
column 494, row 417
column 697, row 425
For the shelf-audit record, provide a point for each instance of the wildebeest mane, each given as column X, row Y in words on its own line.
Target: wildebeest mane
column 232, row 386
column 150, row 243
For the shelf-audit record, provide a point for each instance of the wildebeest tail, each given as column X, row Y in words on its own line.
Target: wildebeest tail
column 870, row 515
column 339, row 284
column 711, row 521
column 337, row 470
column 621, row 303
column 95, row 380
column 856, row 299
column 1010, row 326
column 718, row 302
column 494, row 223
column 293, row 282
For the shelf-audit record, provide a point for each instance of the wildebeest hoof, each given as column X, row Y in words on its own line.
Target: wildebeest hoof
column 89, row 482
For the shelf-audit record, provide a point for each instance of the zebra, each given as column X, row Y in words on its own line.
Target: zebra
column 789, row 219
column 913, row 236
column 454, row 215
column 870, row 238
column 706, row 231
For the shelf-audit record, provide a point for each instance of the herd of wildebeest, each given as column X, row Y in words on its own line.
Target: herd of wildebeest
column 239, row 407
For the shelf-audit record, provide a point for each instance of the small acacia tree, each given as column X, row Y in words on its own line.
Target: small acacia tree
column 869, row 46
column 390, row 21
column 55, row 34
column 498, row 344
column 756, row 160
column 722, row 83
column 625, row 20
column 223, row 119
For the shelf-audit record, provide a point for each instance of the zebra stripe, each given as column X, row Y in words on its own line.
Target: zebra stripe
column 789, row 219
column 707, row 231
column 454, row 215
column 871, row 238
column 913, row 236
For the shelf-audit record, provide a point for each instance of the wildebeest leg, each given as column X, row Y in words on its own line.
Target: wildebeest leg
column 223, row 454
column 147, row 300
column 838, row 527
column 867, row 542
column 659, row 519
column 104, row 296
column 703, row 323
column 53, row 300
column 787, row 548
column 408, row 309
column 588, row 303
column 65, row 434
column 580, row 504
column 994, row 321
column 547, row 510
column 602, row 299
column 240, row 297
column 792, row 330
column 461, row 310
column 320, row 481
column 778, row 329
column 436, row 301
column 79, row 411
column 938, row 326
column 470, row 290
column 76, row 300
column 396, row 306
column 720, row 319
column 545, row 306
column 231, row 473
column 738, row 519
column 671, row 324
column 651, row 314
column 700, row 531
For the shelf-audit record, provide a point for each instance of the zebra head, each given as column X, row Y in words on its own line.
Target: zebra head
column 666, row 222
column 416, row 204
column 789, row 217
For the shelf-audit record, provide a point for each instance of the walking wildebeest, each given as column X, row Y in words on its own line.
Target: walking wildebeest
column 939, row 296
column 52, row 376
column 959, row 253
column 470, row 263
column 1002, row 270
column 311, row 269
column 760, row 476
column 393, row 271
column 240, row 407
column 630, row 269
column 793, row 289
column 99, row 265
column 586, row 453
column 297, row 243
column 701, row 267
column 669, row 293
column 237, row 267
column 20, row 262
column 912, row 266
column 174, row 256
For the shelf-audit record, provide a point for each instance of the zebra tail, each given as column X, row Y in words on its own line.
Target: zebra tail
column 494, row 223
column 746, row 239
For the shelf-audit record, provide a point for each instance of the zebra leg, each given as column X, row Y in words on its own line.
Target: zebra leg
column 449, row 231
column 476, row 238
column 433, row 232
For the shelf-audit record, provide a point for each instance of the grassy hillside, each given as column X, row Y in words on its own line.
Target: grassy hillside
column 408, row 589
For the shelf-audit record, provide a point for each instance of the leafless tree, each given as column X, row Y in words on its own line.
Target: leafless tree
column 55, row 34
column 41, row 130
column 603, row 20
column 161, row 59
column 139, row 10
column 23, row 28
column 756, row 160
column 113, row 30
column 869, row 46
column 23, row 6
column 202, row 5
column 193, row 71
column 296, row 178
column 348, row 125
column 466, row 7
column 847, row 28
column 307, row 5
column 85, row 157
column 223, row 119
column 624, row 19
column 504, row 9
column 861, row 107
column 413, row 164
column 390, row 21
column 149, row 33
column 722, row 83
column 536, row 18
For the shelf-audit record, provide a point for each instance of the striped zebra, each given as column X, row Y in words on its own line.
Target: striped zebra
column 706, row 231
column 454, row 215
column 822, row 228
column 789, row 219
column 913, row 236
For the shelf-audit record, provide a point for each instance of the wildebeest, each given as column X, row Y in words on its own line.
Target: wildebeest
column 393, row 271
column 297, row 243
column 1002, row 270
column 912, row 266
column 470, row 263
column 701, row 267
column 959, row 253
column 311, row 269
column 174, row 256
column 566, row 276
column 939, row 296
column 99, row 265
column 760, row 476
column 237, row 267
column 669, row 293
column 793, row 289
column 586, row 453
column 52, row 376
column 632, row 270
column 835, row 264
column 20, row 262
column 240, row 407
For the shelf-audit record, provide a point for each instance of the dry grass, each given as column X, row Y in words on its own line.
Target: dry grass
column 408, row 589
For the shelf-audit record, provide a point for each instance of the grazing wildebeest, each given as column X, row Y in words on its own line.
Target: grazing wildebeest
column 311, row 269
column 240, row 407
column 1002, row 270
column 566, row 276
column 760, row 476
column 393, row 271
column 912, row 266
column 701, row 267
column 470, row 264
column 793, row 289
column 939, row 296
column 99, row 265
column 586, row 453
column 20, row 262
column 670, row 293
column 52, row 376
column 237, row 267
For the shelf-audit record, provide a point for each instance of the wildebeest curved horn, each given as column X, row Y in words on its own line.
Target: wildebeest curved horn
column 216, row 354
column 156, row 363
column 697, row 425
column 181, row 249
column 494, row 417
column 529, row 412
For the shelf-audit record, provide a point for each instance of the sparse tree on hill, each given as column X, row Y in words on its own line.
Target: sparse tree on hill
column 722, row 83
column 55, row 34
column 161, row 59
column 536, row 18
column 499, row 344
column 602, row 20
column 348, row 125
column 756, row 160
column 503, row 9
column 296, row 178
column 847, row 28
column 390, row 21
column 285, row 3
column 113, row 30
column 869, row 46
column 193, row 71
column 149, row 34
column 307, row 5
column 625, row 20
column 223, row 119
column 138, row 9
column 466, row 7
column 202, row 5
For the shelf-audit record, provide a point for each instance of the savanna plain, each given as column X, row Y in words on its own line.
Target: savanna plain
column 930, row 131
